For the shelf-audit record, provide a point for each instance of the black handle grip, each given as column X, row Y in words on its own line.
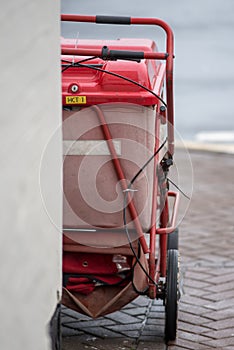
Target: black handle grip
column 113, row 19
column 121, row 54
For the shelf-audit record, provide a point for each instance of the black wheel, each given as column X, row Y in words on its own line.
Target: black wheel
column 172, row 294
column 173, row 240
column 55, row 329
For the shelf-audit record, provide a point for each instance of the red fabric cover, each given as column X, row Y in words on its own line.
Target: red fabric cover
column 80, row 285
column 100, row 268
column 86, row 263
column 85, row 285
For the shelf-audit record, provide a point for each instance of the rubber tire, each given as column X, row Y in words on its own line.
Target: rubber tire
column 172, row 295
column 173, row 240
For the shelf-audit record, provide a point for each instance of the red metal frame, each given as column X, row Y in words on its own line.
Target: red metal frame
column 154, row 271
column 98, row 53
column 122, row 178
column 168, row 56
column 157, row 267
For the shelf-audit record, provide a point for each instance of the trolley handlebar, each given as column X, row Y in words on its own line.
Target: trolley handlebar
column 113, row 19
column 122, row 20
column 115, row 54
column 107, row 54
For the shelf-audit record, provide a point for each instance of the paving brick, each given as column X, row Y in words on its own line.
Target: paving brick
column 220, row 334
column 67, row 319
column 159, row 345
column 150, row 328
column 98, row 344
column 123, row 318
column 222, row 324
column 193, row 309
column 158, row 308
column 222, row 287
column 188, row 327
column 91, row 323
column 193, row 300
column 220, row 305
column 220, row 271
column 141, row 317
column 102, row 332
column 194, row 337
column 68, row 332
column 196, row 284
column 193, row 319
column 221, row 342
column 151, row 320
column 229, row 264
column 136, row 311
column 142, row 301
column 134, row 334
column 196, row 275
column 74, row 314
column 219, row 296
column 124, row 328
column 149, row 338
column 194, row 292
column 186, row 344
column 221, row 314
column 222, row 276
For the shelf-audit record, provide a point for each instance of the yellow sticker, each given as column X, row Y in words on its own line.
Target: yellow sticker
column 76, row 100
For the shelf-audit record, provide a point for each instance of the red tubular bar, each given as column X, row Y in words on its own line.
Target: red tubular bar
column 122, row 179
column 152, row 254
column 169, row 54
column 169, row 72
column 78, row 18
column 98, row 53
column 172, row 227
column 81, row 52
column 164, row 218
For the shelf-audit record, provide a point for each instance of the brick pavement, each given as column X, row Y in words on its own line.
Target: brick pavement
column 206, row 312
column 206, row 318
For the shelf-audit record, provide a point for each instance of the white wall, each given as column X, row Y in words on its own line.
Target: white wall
column 30, row 244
